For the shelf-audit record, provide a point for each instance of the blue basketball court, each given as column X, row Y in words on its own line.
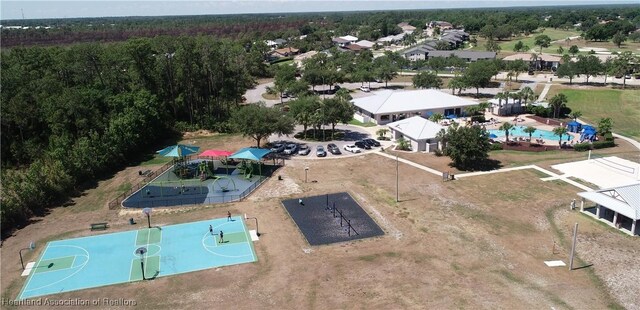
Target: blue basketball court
column 88, row 262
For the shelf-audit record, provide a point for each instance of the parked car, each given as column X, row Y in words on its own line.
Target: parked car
column 277, row 148
column 304, row 150
column 320, row 152
column 363, row 145
column 531, row 72
column 290, row 149
column 351, row 148
column 372, row 142
column 333, row 149
column 365, row 89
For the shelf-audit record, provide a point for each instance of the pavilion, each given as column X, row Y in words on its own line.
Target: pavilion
column 617, row 206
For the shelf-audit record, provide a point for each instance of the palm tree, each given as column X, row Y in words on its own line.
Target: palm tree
column 436, row 117
column 500, row 96
column 514, row 96
column 382, row 132
column 575, row 115
column 534, row 58
column 527, row 94
column 530, row 130
column 506, row 126
column 560, row 131
column 484, row 105
column 404, row 144
column 442, row 139
column 557, row 102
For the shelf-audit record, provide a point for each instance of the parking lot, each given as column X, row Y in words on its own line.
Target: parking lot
column 352, row 134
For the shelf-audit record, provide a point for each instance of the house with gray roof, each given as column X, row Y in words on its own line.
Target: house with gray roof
column 469, row 56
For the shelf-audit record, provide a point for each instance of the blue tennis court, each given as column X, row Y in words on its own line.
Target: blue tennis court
column 88, row 262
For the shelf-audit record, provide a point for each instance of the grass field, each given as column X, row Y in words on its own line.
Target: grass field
column 622, row 106
column 507, row 46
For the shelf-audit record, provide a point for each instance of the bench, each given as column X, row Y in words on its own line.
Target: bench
column 99, row 226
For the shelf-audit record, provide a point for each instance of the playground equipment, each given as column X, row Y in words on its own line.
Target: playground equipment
column 250, row 168
column 223, row 182
column 205, row 169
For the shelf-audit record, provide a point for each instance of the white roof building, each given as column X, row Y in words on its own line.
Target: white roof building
column 365, row 43
column 395, row 102
column 350, row 38
column 420, row 132
column 617, row 206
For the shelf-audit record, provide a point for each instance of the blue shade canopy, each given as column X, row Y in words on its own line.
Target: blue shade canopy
column 178, row 150
column 250, row 153
column 492, row 136
column 452, row 116
column 573, row 123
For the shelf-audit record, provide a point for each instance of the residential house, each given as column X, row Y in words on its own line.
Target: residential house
column 285, row 52
column 537, row 61
column 468, row 56
column 418, row 52
column 340, row 42
column 440, row 24
column 420, row 132
column 392, row 39
column 365, row 44
column 406, row 28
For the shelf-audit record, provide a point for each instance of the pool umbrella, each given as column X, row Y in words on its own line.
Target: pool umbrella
column 493, row 136
column 452, row 116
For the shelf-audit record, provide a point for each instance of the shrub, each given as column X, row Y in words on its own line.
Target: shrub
column 495, row 147
column 478, row 118
column 603, row 144
column 438, row 152
column 581, row 147
column 608, row 136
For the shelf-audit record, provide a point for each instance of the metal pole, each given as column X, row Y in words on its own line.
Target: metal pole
column 397, row 180
column 573, row 246
column 305, row 175
column 142, row 266
column 148, row 220
column 21, row 261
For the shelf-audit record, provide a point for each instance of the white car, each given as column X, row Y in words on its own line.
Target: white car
column 351, row 148
column 365, row 89
column 290, row 149
column 304, row 150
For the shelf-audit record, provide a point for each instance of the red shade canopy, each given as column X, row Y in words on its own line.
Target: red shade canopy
column 215, row 153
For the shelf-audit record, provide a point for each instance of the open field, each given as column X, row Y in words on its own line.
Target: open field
column 622, row 106
column 508, row 45
column 473, row 243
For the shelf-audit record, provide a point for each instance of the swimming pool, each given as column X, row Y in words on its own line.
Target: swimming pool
column 518, row 131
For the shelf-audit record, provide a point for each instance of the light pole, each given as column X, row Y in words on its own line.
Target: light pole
column 397, row 178
column 32, row 245
column 253, row 218
column 306, row 169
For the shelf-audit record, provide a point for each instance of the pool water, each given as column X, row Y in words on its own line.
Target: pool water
column 518, row 131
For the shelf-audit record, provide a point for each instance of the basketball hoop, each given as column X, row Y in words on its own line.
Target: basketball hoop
column 147, row 212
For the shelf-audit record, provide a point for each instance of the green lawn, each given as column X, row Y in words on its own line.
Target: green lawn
column 359, row 123
column 622, row 106
column 507, row 46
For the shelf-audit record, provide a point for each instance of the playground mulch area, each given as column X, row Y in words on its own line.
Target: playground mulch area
column 325, row 219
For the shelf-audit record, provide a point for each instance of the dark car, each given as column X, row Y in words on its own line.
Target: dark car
column 333, row 149
column 361, row 144
column 372, row 142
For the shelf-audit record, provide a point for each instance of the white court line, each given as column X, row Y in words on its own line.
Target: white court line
column 33, row 274
column 69, row 276
column 246, row 232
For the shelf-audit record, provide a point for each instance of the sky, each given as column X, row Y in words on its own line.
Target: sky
column 99, row 8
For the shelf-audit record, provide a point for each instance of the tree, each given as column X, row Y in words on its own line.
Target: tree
column 479, row 74
column 518, row 66
column 518, row 47
column 618, row 39
column 567, row 70
column 403, row 144
column 382, row 133
column 530, row 130
column 385, row 69
column 589, row 65
column 302, row 110
column 506, row 126
column 527, row 94
column 560, row 50
column 557, row 102
column 436, row 117
column 467, row 146
column 285, row 76
column 560, row 131
column 337, row 110
column 575, row 115
column 258, row 122
column 542, row 41
column 573, row 50
column 492, row 46
column 457, row 83
column 426, row 80
column 437, row 63
column 605, row 125
column 623, row 65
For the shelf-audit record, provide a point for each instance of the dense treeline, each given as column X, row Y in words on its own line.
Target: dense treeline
column 72, row 114
column 367, row 25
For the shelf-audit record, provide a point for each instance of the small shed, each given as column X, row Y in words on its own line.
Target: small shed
column 574, row 126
